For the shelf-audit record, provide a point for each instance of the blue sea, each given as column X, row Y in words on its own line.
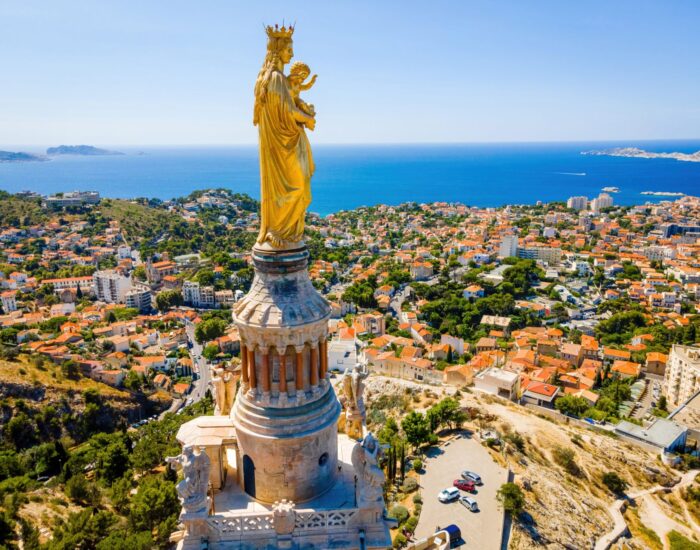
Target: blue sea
column 351, row 176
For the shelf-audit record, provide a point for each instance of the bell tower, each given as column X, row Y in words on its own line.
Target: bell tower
column 286, row 412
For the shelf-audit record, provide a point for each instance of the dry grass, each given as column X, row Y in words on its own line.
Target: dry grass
column 50, row 376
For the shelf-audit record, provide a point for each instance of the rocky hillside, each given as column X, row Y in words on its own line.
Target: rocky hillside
column 39, row 402
column 559, row 466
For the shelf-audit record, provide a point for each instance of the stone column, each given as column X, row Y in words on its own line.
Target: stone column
column 283, row 371
column 313, row 379
column 299, row 383
column 251, row 365
column 244, row 367
column 265, row 374
column 323, row 350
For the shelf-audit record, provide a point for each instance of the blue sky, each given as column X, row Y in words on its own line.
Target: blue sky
column 182, row 72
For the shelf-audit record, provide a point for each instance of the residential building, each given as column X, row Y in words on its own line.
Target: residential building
column 542, row 253
column 577, row 203
column 139, row 298
column 682, row 376
column 503, row 383
column 508, row 247
column 110, row 286
column 9, row 301
column 540, row 393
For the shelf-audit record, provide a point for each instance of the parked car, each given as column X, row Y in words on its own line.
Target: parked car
column 454, row 534
column 476, row 478
column 469, row 503
column 464, row 485
column 449, row 494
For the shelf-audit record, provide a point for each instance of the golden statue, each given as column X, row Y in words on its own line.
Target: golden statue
column 286, row 163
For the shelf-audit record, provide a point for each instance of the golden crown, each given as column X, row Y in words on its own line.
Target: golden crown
column 279, row 32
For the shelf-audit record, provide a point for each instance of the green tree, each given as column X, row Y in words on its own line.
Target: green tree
column 168, row 299
column 571, row 405
column 416, row 428
column 82, row 491
column 210, row 352
column 209, row 330
column 511, row 497
column 155, row 502
column 614, row 483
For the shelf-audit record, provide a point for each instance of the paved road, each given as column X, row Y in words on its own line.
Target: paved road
column 199, row 366
column 482, row 530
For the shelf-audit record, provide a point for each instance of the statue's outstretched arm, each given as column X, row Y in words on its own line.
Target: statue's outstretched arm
column 307, row 86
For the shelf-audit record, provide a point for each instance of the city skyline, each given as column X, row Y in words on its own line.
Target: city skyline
column 122, row 73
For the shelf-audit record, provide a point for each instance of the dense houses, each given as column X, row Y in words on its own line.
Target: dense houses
column 421, row 292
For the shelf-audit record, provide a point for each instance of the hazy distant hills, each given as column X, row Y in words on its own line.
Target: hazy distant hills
column 9, row 156
column 635, row 152
column 84, row 150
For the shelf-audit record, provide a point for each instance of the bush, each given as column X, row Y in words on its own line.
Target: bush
column 81, row 491
column 566, row 458
column 417, row 465
column 614, row 483
column 409, row 485
column 411, row 524
column 417, row 499
column 679, row 542
column 400, row 513
column 399, row 541
column 511, row 497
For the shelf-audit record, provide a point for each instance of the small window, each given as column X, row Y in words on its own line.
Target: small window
column 323, row 459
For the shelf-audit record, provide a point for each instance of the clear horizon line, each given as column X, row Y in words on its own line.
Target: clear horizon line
column 374, row 143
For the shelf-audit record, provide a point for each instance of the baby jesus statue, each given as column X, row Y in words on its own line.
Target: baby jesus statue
column 299, row 72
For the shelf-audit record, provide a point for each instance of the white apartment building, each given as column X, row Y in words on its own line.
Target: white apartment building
column 682, row 376
column 9, row 301
column 196, row 295
column 509, row 246
column 549, row 255
column 577, row 203
column 110, row 287
column 602, row 201
column 139, row 298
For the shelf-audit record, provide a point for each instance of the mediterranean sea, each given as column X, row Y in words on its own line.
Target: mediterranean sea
column 350, row 176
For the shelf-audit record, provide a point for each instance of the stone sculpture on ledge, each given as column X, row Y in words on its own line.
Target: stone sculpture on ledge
column 195, row 484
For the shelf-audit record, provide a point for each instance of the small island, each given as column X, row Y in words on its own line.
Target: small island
column 9, row 156
column 83, row 150
column 635, row 152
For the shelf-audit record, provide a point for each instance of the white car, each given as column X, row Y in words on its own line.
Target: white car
column 449, row 494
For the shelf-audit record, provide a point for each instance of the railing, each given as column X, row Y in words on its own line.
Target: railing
column 239, row 524
column 305, row 520
column 326, row 519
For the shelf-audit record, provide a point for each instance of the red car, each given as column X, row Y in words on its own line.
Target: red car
column 464, row 485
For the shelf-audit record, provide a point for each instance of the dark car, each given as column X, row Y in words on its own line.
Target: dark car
column 465, row 485
column 455, row 535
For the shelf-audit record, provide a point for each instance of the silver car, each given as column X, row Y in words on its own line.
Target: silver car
column 476, row 478
column 469, row 503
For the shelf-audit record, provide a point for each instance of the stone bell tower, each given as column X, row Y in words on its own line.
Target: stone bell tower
column 286, row 411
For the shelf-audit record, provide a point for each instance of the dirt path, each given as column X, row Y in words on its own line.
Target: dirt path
column 650, row 513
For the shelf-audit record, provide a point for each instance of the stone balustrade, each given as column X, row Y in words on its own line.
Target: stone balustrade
column 226, row 526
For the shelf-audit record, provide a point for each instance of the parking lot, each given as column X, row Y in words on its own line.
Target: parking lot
column 482, row 529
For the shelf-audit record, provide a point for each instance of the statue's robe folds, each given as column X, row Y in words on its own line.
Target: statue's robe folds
column 286, row 166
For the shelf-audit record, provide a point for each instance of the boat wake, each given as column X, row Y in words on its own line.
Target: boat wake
column 571, row 173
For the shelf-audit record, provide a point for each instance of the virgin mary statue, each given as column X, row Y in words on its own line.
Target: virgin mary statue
column 286, row 163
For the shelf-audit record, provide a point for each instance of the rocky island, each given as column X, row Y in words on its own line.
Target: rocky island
column 641, row 153
column 84, row 150
column 9, row 156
